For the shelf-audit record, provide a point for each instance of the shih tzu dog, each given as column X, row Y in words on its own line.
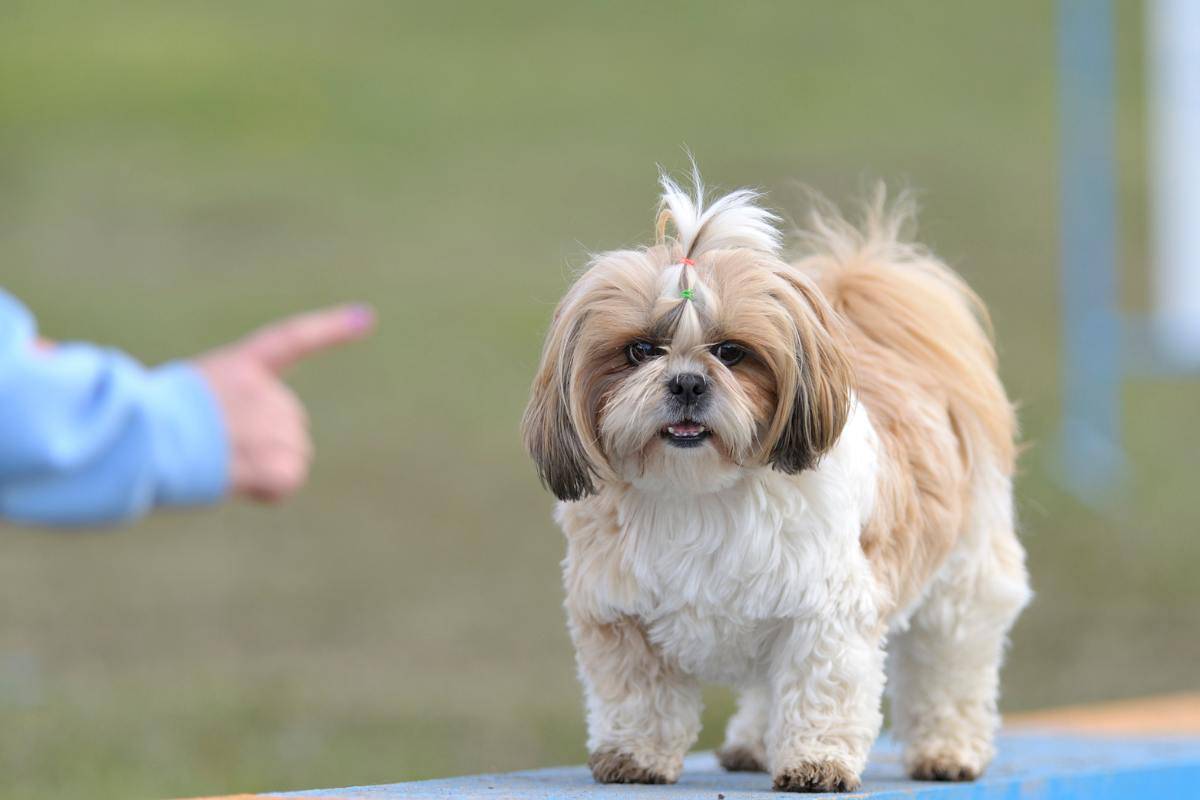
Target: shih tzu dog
column 771, row 470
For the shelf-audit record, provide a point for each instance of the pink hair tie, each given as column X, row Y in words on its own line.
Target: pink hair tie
column 688, row 261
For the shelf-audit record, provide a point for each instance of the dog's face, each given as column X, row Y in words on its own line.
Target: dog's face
column 677, row 375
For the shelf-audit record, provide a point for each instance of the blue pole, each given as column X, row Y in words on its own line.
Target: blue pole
column 1091, row 344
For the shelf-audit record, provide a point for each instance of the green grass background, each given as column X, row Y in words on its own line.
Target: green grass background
column 172, row 174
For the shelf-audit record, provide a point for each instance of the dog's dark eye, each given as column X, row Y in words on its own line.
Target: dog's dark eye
column 729, row 353
column 637, row 352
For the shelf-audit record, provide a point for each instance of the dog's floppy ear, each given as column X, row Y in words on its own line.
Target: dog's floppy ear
column 548, row 428
column 814, row 397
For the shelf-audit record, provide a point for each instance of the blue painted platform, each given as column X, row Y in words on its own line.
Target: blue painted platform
column 1045, row 766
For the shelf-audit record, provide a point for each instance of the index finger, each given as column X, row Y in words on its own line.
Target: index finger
column 281, row 344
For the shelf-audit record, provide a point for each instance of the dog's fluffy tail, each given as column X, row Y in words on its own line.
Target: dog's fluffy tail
column 908, row 313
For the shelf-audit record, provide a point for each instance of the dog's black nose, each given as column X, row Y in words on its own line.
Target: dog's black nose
column 687, row 387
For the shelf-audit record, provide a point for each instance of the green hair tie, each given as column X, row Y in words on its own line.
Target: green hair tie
column 687, row 294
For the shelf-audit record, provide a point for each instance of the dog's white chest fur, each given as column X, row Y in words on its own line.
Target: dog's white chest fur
column 713, row 576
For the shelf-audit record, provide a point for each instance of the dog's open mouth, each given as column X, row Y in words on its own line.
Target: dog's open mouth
column 685, row 433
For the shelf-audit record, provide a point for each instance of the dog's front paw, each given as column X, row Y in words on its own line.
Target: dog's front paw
column 614, row 766
column 737, row 758
column 817, row 776
column 943, row 767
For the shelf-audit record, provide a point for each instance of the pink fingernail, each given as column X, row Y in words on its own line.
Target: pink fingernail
column 361, row 316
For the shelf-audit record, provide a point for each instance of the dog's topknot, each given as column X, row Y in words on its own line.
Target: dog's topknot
column 732, row 221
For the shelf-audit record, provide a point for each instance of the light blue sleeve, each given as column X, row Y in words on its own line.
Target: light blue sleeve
column 88, row 436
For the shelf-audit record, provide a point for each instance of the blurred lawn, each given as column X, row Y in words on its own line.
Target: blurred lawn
column 173, row 173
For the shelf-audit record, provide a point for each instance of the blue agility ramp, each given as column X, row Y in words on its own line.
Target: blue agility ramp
column 1045, row 766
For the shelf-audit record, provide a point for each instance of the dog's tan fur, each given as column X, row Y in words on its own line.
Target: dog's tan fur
column 925, row 368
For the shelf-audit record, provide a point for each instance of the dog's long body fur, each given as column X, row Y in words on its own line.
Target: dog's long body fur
column 855, row 493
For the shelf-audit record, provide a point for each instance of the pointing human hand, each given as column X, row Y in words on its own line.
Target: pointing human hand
column 269, row 444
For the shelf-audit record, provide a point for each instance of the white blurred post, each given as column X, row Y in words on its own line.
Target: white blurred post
column 1173, row 28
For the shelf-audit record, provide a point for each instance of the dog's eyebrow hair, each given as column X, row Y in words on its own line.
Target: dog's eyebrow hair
column 664, row 327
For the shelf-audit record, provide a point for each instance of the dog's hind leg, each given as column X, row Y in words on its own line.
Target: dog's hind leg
column 643, row 713
column 944, row 668
column 744, row 749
